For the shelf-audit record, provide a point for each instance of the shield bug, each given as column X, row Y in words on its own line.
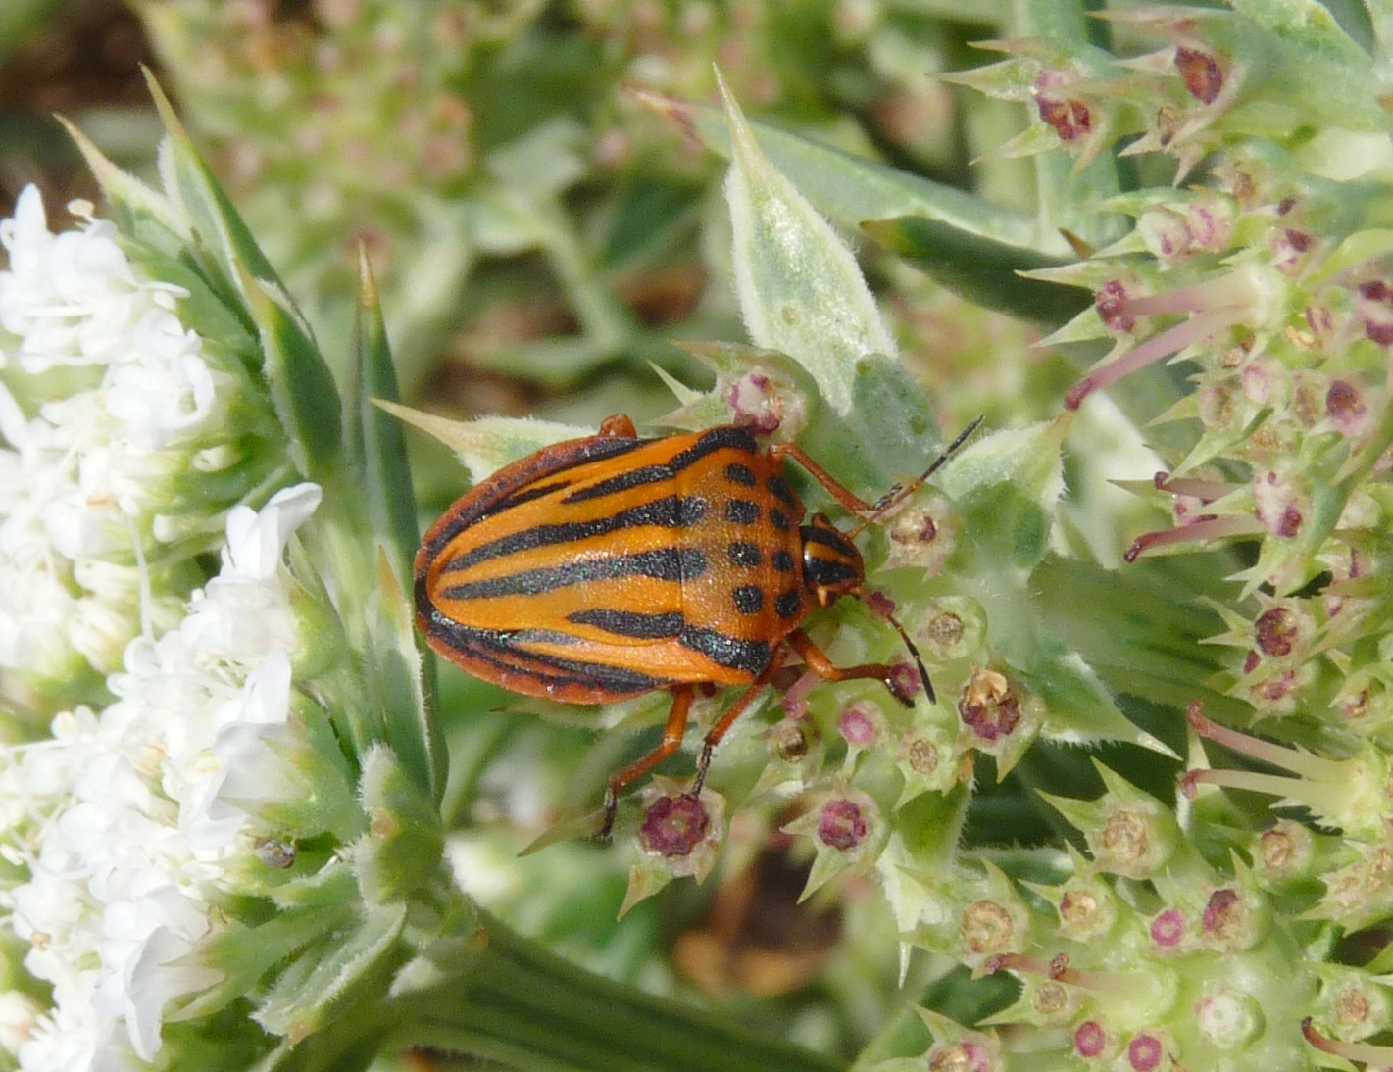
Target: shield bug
column 603, row 568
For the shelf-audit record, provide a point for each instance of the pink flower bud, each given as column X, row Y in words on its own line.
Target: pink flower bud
column 1344, row 405
column 990, row 706
column 1277, row 630
column 859, row 725
column 1090, row 1040
column 1111, row 302
column 1146, row 1053
column 1201, row 74
column 842, row 825
column 674, row 826
column 1168, row 929
column 1070, row 118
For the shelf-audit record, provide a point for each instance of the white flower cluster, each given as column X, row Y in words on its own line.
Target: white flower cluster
column 127, row 820
column 106, row 399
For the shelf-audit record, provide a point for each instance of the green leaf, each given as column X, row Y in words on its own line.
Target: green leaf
column 403, row 850
column 982, row 270
column 1007, row 485
column 402, row 681
column 488, row 443
column 303, row 391
column 849, row 189
column 351, row 967
column 1079, row 708
column 799, row 287
column 376, row 445
column 302, row 388
column 245, row 954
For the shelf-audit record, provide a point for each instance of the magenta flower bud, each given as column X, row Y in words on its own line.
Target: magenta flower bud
column 1146, row 1053
column 990, row 706
column 842, row 825
column 1279, row 507
column 674, row 826
column 1344, row 405
column 1111, row 303
column 1168, row 929
column 1201, row 74
column 860, row 725
column 1277, row 631
column 1090, row 1040
column 1232, row 922
column 1070, row 117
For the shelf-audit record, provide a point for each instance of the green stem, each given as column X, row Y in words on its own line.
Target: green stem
column 530, row 1008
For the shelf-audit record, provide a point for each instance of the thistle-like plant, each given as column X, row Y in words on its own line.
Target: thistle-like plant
column 1177, row 561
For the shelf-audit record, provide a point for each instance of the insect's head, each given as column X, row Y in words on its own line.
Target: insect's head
column 832, row 566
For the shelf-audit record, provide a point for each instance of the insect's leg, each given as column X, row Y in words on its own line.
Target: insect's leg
column 822, row 666
column 727, row 719
column 821, row 475
column 619, row 426
column 672, row 741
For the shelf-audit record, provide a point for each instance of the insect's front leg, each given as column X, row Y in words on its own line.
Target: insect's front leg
column 822, row 666
column 727, row 719
column 672, row 741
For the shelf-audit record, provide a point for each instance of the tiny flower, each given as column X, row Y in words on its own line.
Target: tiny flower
column 861, row 725
column 1129, row 833
column 1346, row 408
column 846, row 829
column 924, row 535
column 678, row 836
column 961, row 1057
column 674, row 826
column 1087, row 910
column 1228, row 1018
column 1278, row 631
column 1233, row 921
column 1285, row 852
column 1168, row 930
column 1070, row 117
column 1090, row 1040
column 990, row 706
column 1351, row 1003
column 842, row 825
column 1146, row 1053
column 1349, row 793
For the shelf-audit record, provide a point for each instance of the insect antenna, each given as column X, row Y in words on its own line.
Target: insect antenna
column 900, row 492
column 918, row 661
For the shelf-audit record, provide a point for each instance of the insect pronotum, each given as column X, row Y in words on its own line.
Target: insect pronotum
column 603, row 568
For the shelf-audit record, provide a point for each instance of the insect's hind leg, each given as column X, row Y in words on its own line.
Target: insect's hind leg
column 822, row 666
column 672, row 741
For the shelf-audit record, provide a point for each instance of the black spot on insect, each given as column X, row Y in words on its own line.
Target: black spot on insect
column 780, row 520
column 779, row 488
column 749, row 598
column 789, row 603
column 740, row 474
column 742, row 511
column 783, row 561
column 747, row 554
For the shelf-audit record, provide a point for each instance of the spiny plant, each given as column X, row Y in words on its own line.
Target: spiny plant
column 1183, row 568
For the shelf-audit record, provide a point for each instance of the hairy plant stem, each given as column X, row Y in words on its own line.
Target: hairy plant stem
column 524, row 1006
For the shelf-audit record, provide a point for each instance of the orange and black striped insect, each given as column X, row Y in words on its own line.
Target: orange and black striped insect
column 603, row 568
